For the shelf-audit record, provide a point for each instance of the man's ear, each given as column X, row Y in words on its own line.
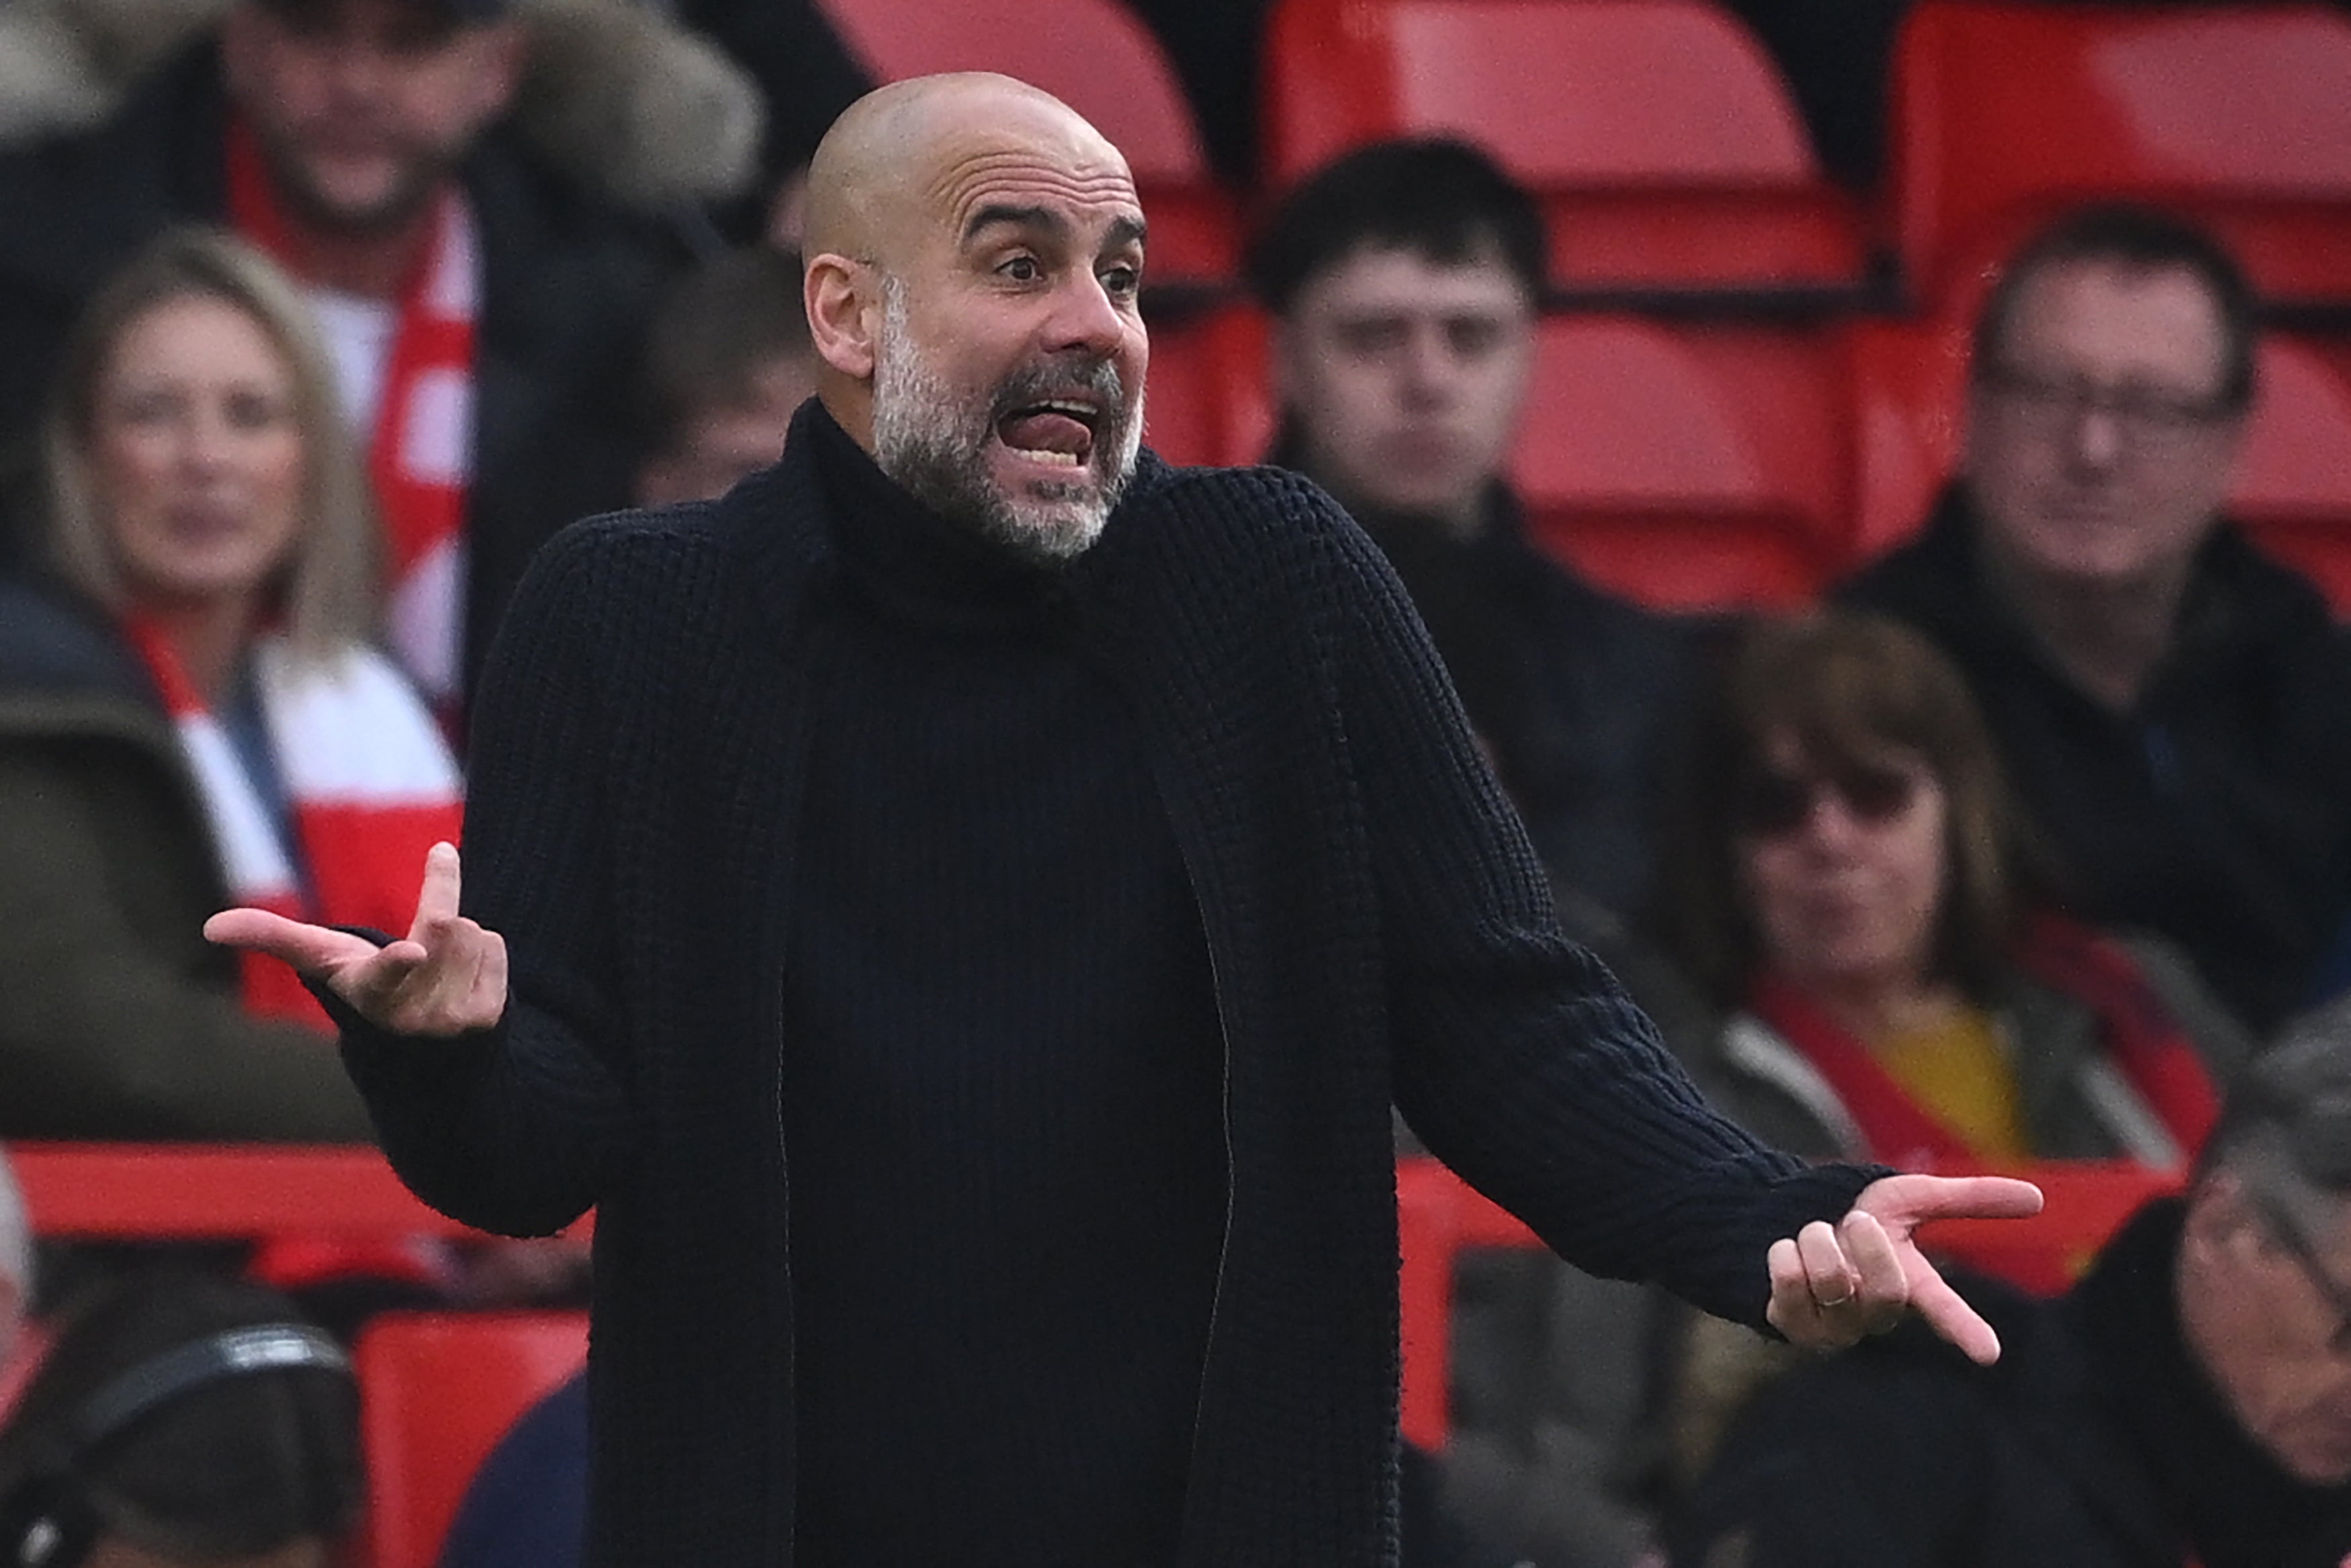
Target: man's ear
column 842, row 313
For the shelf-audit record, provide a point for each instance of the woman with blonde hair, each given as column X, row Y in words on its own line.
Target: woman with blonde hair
column 193, row 714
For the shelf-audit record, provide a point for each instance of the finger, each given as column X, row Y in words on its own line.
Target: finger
column 1949, row 1315
column 1902, row 1202
column 1791, row 1309
column 436, row 901
column 1884, row 1287
column 1832, row 1279
column 311, row 949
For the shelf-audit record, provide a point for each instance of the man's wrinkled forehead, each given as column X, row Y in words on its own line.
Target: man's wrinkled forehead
column 1027, row 161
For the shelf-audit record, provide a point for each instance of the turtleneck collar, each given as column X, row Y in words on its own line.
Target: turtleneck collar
column 2238, row 1507
column 909, row 563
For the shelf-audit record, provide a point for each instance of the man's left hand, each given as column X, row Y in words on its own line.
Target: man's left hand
column 1832, row 1284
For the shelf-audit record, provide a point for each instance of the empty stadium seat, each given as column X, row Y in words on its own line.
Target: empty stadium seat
column 2241, row 115
column 437, row 1390
column 2292, row 490
column 1208, row 403
column 2293, row 483
column 1688, row 465
column 1657, row 133
column 1096, row 57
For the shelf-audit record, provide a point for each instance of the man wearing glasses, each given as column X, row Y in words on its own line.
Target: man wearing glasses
column 2189, row 1401
column 2173, row 706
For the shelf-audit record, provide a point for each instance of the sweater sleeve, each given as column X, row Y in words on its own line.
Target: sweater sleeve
column 1520, row 1061
column 512, row 1131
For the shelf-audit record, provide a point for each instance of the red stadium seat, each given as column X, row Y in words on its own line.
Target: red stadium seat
column 2293, row 483
column 1657, row 133
column 2241, row 115
column 1209, row 402
column 2292, row 488
column 1096, row 57
column 1909, row 389
column 437, row 1390
column 1687, row 466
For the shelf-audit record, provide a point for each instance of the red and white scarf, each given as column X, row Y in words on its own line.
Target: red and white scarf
column 370, row 782
column 420, row 453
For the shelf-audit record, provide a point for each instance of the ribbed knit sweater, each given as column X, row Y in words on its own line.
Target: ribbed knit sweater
column 1377, row 931
column 1001, row 1078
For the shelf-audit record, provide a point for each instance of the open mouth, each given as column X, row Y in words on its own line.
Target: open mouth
column 1058, row 431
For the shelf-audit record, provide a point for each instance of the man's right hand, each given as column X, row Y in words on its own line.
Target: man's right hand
column 448, row 978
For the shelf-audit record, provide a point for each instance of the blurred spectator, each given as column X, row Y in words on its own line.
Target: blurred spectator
column 183, row 1421
column 2188, row 1402
column 1850, row 891
column 2173, row 707
column 191, row 716
column 727, row 361
column 1404, row 279
column 484, row 310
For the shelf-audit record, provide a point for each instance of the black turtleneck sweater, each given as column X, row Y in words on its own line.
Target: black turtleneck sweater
column 1001, row 1078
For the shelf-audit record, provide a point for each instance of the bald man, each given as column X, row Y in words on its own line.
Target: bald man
column 973, row 892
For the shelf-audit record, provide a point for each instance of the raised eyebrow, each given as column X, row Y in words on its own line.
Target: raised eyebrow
column 1126, row 230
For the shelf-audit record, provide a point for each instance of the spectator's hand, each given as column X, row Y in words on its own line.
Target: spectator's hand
column 448, row 978
column 1832, row 1284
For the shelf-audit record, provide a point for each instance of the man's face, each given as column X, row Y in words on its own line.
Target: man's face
column 1403, row 377
column 1008, row 381
column 2097, row 447
column 2265, row 1300
column 363, row 107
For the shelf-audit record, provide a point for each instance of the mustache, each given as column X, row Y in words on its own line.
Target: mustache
column 1088, row 376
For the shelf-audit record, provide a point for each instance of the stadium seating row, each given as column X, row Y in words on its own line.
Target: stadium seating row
column 1709, row 465
column 439, row 1388
column 1663, row 141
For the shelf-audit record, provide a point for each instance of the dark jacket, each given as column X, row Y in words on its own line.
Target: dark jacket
column 2217, row 812
column 117, row 1019
column 1574, row 691
column 1377, row 927
column 2096, row 1442
column 567, row 283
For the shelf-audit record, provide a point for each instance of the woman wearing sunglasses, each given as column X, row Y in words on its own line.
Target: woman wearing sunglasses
column 1854, row 893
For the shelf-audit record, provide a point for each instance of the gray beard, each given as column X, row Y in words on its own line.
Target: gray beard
column 935, row 445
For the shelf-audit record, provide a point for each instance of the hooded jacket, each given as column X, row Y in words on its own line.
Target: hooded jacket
column 1377, row 931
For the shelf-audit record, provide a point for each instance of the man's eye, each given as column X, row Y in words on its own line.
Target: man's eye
column 1474, row 336
column 1022, row 269
column 1122, row 282
column 1371, row 337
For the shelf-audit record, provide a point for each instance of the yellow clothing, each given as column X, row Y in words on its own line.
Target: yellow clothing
column 1958, row 1073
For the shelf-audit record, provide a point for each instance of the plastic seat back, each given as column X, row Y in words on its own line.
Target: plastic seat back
column 1687, row 466
column 2003, row 114
column 437, row 1390
column 1657, row 133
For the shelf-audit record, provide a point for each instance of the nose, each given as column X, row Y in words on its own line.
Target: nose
column 1429, row 364
column 1086, row 318
column 2095, row 443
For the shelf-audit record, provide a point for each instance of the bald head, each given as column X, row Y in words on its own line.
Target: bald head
column 876, row 181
